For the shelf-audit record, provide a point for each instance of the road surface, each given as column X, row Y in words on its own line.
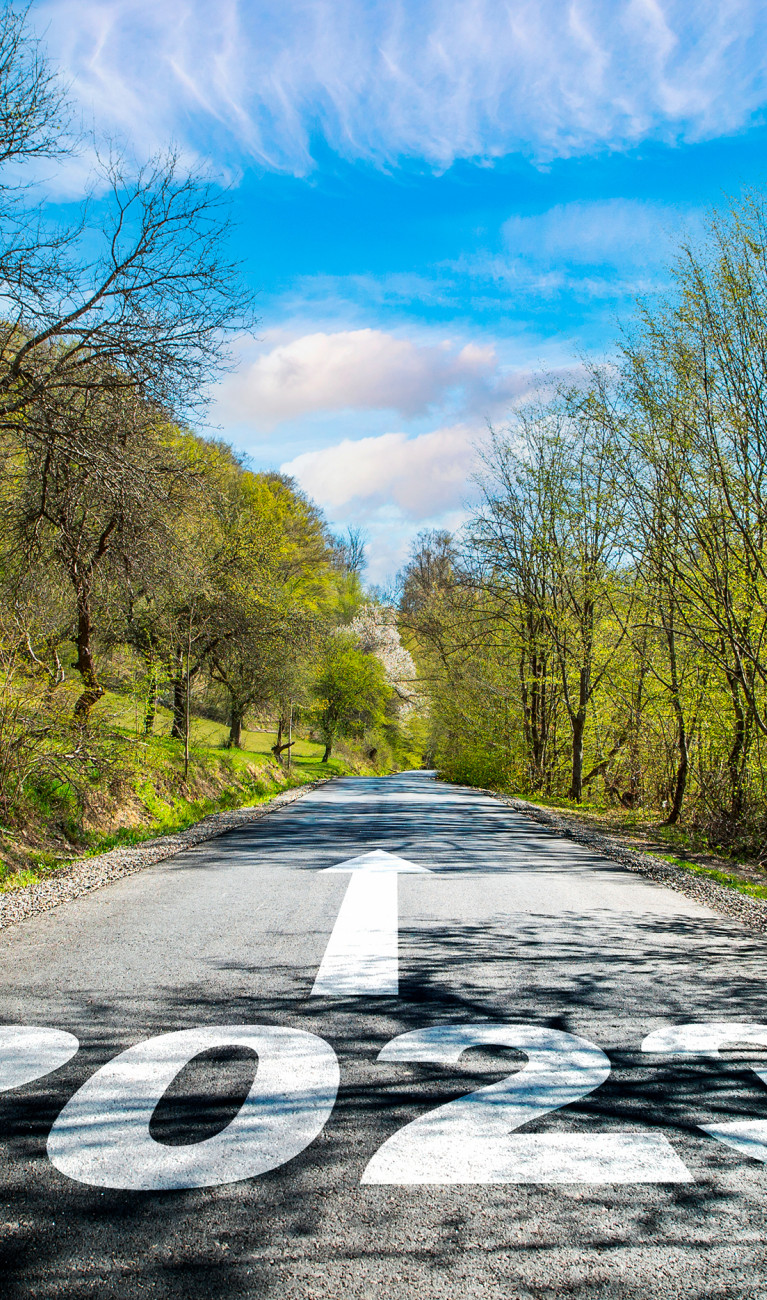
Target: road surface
column 244, row 1061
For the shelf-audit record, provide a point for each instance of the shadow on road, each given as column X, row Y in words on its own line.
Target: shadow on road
column 300, row 1230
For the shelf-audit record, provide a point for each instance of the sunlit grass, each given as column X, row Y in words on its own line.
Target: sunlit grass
column 721, row 877
column 237, row 777
column 13, row 880
column 126, row 716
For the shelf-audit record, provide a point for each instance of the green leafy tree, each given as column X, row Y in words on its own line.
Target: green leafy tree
column 351, row 692
column 273, row 593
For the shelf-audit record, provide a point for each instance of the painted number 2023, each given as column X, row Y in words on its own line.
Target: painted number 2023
column 102, row 1136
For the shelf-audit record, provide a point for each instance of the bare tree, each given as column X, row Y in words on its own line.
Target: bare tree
column 141, row 286
column 33, row 107
column 352, row 549
column 95, row 477
column 151, row 309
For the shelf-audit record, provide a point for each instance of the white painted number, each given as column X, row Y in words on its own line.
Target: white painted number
column 29, row 1052
column 472, row 1139
column 102, row 1135
column 747, row 1136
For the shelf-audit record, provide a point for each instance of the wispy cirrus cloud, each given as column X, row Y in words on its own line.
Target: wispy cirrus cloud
column 607, row 249
column 433, row 80
column 617, row 232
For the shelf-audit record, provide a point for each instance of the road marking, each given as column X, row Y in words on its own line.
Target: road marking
column 29, row 1052
column 362, row 954
column 472, row 1139
column 747, row 1136
column 529, row 1158
column 102, row 1135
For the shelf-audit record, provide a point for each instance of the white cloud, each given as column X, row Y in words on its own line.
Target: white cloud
column 393, row 485
column 608, row 249
column 433, row 79
column 420, row 477
column 365, row 369
column 609, row 232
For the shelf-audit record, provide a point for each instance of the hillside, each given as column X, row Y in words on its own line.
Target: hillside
column 140, row 790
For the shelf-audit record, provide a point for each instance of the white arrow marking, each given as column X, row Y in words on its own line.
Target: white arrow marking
column 361, row 956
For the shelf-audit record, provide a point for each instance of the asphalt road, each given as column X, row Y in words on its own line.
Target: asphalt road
column 584, row 1173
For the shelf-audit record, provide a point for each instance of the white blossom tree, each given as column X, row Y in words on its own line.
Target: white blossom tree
column 376, row 633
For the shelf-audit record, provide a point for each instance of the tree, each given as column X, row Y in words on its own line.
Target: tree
column 107, row 330
column 351, row 692
column 272, row 589
column 139, row 292
column 547, row 536
column 33, row 109
column 694, row 385
column 139, row 295
column 89, row 488
column 352, row 549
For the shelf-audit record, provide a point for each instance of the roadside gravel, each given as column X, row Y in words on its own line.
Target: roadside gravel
column 720, row 898
column 85, row 874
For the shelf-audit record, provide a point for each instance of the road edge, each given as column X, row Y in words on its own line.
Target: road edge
column 84, row 875
column 751, row 912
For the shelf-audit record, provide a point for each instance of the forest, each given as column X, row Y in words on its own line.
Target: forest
column 177, row 631
column 597, row 633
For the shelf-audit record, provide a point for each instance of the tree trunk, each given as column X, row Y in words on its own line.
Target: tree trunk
column 279, row 746
column 683, row 767
column 54, row 669
column 328, row 748
column 178, row 730
column 578, row 722
column 680, row 788
column 150, row 712
column 236, row 717
column 85, row 664
column 533, row 667
column 576, row 783
column 738, row 750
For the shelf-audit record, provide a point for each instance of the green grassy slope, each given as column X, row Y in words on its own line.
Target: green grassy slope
column 140, row 790
column 122, row 714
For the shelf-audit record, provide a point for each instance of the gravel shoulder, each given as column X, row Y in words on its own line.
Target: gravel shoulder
column 86, row 874
column 752, row 912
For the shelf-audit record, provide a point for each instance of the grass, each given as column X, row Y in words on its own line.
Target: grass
column 150, row 797
column 12, row 880
column 124, row 715
column 721, row 877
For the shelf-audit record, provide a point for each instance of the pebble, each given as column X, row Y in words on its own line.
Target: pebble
column 86, row 874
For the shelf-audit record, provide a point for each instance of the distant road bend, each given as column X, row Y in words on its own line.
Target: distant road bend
column 392, row 1040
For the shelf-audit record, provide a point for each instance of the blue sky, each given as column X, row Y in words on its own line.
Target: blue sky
column 436, row 202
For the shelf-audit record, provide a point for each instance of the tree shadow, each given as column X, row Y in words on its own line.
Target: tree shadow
column 429, row 821
column 309, row 1228
column 294, row 1230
